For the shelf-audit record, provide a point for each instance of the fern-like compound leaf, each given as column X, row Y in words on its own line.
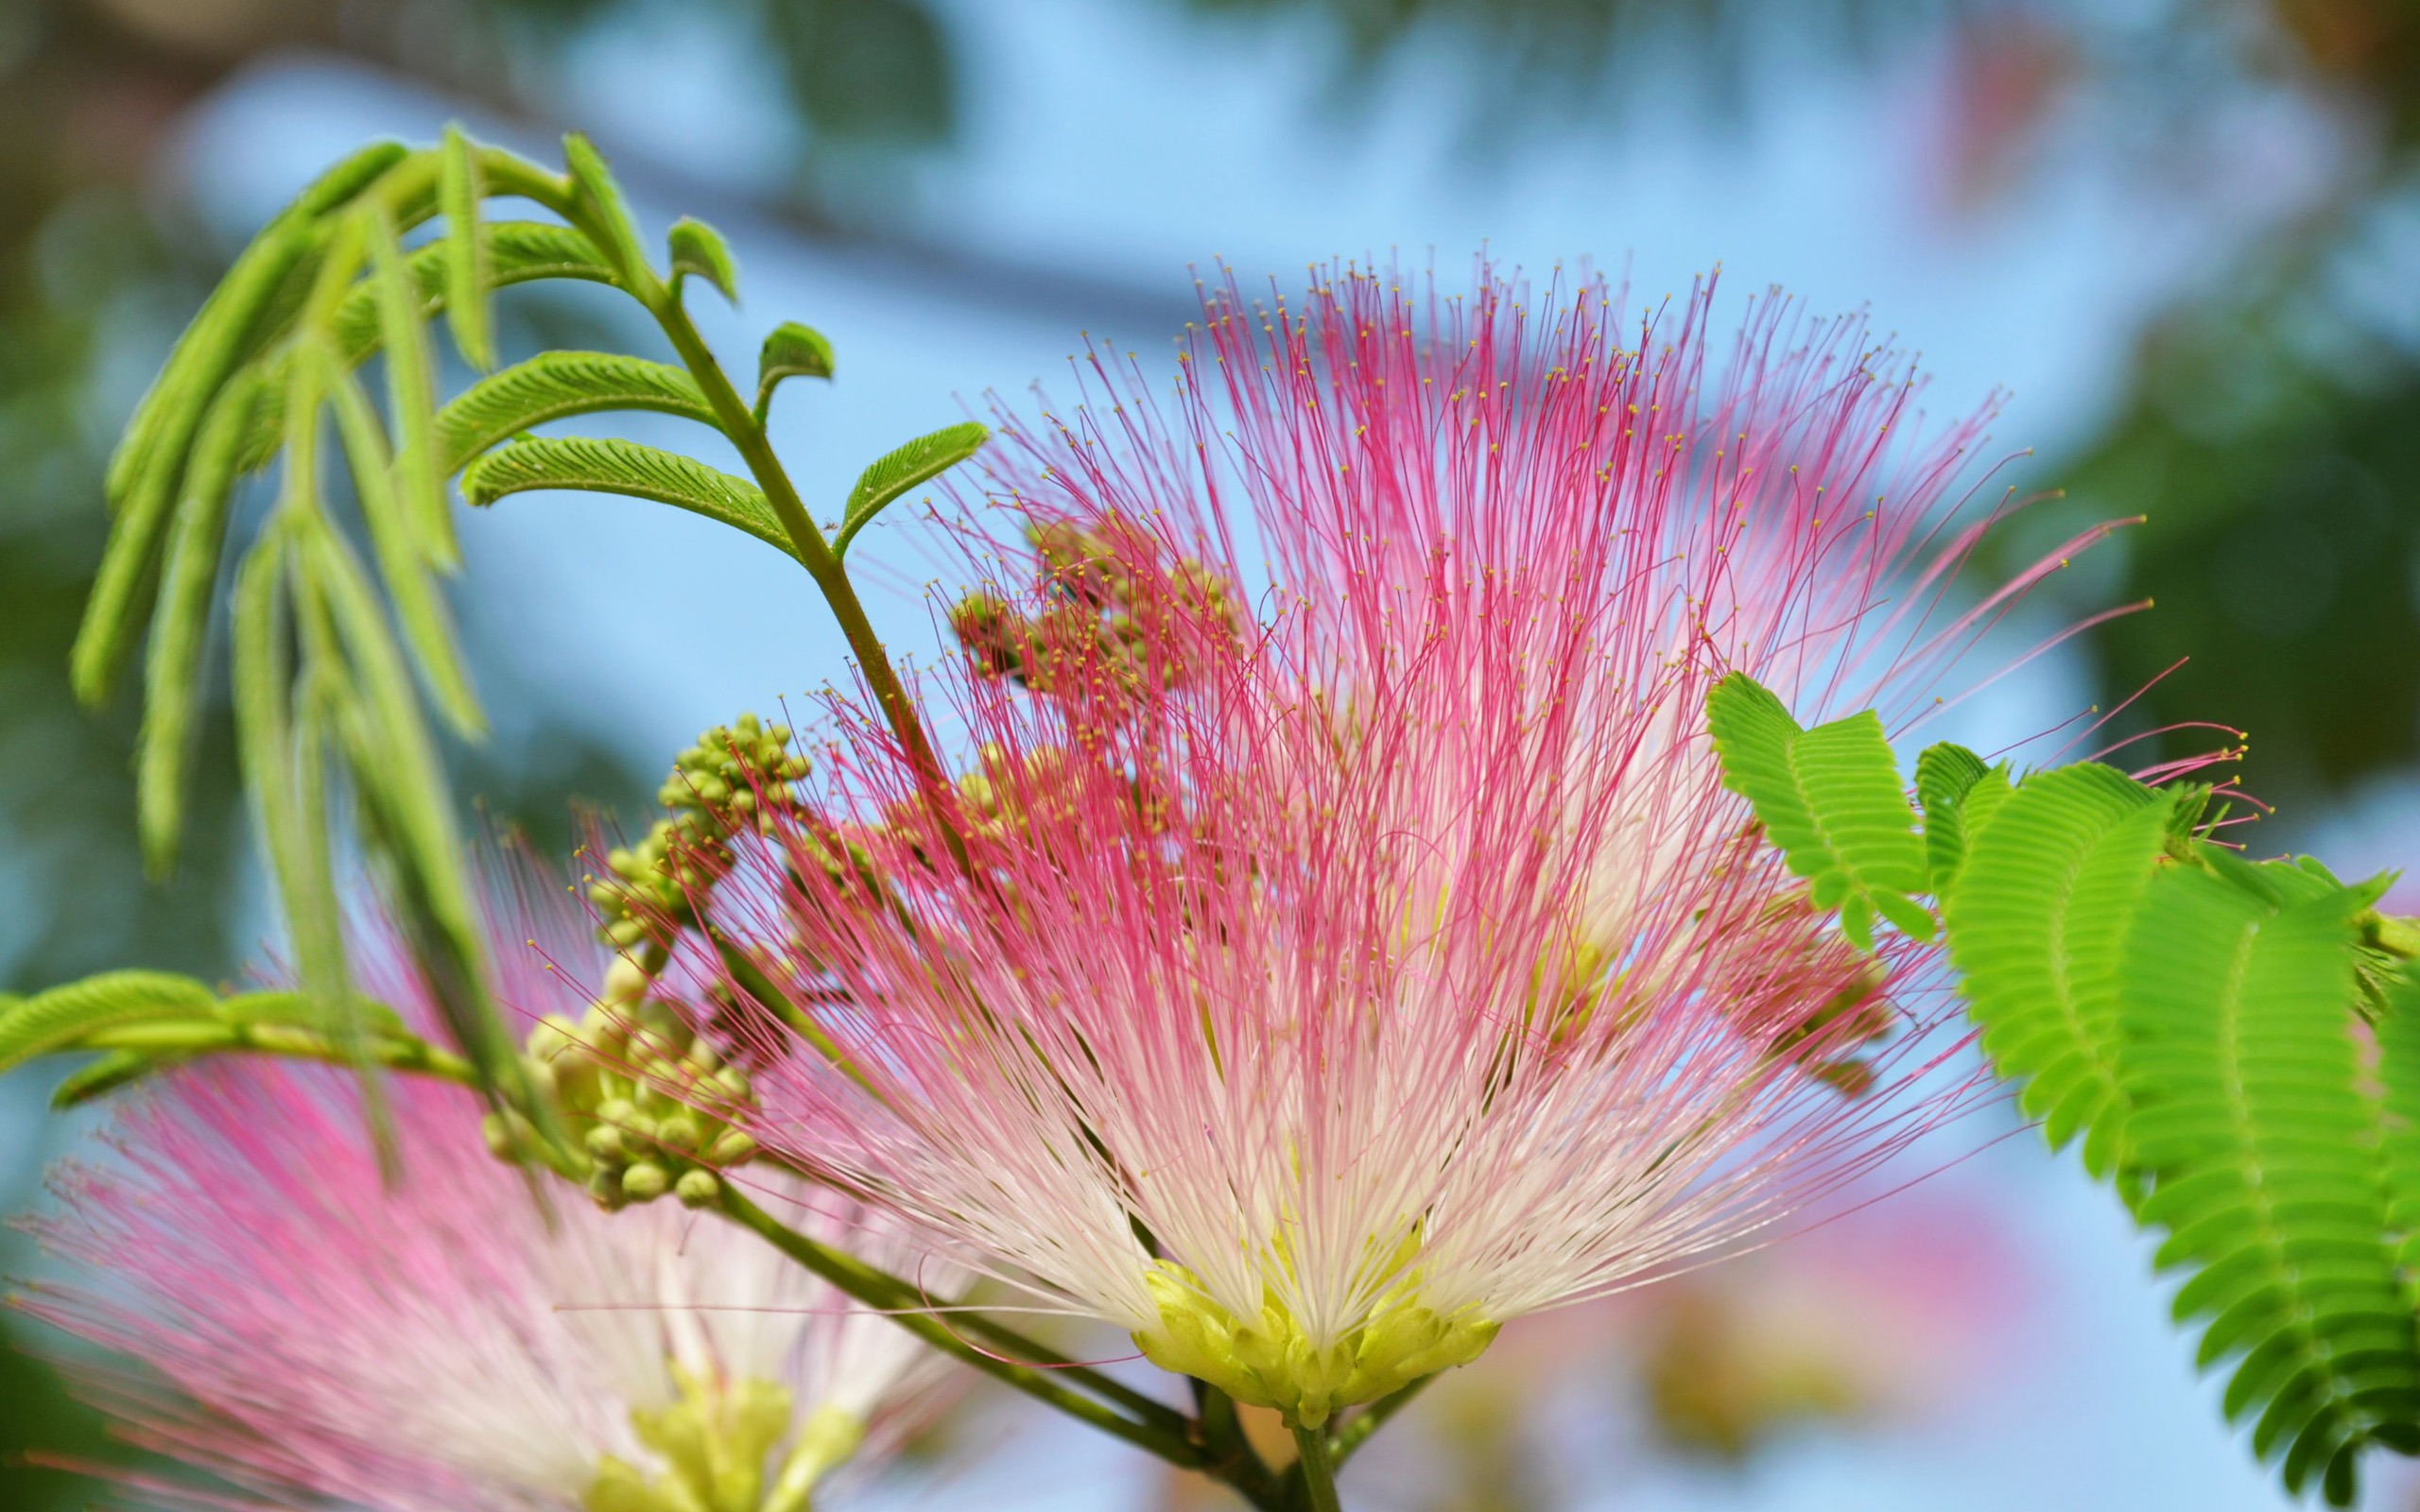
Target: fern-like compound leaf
column 791, row 351
column 554, row 385
column 904, row 468
column 601, row 466
column 2251, row 1111
column 698, row 249
column 1830, row 798
column 468, row 275
column 2035, row 920
column 64, row 1016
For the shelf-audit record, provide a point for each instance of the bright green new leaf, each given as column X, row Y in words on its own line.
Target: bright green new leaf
column 697, row 248
column 1830, row 798
column 2250, row 1109
column 2035, row 920
column 468, row 277
column 791, row 351
column 58, row 1019
column 624, row 467
column 919, row 461
column 555, row 385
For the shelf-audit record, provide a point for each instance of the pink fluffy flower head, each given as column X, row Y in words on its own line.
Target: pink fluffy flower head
column 294, row 1324
column 1330, row 982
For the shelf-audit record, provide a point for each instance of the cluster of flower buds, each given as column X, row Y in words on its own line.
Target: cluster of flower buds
column 736, row 774
column 633, row 1083
column 1113, row 617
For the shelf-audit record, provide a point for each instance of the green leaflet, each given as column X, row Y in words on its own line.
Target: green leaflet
column 553, row 385
column 411, row 398
column 698, row 249
column 1946, row 775
column 600, row 210
column 419, row 603
column 1830, row 798
column 2251, row 1111
column 791, row 351
column 468, row 274
column 171, row 675
column 626, row 468
column 2035, row 920
column 58, row 1019
column 919, row 461
column 2399, row 1074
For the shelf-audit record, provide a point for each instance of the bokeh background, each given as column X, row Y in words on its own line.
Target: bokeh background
column 2183, row 234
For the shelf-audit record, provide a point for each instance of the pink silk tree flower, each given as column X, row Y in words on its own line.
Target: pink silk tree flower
column 1325, row 985
column 312, row 1334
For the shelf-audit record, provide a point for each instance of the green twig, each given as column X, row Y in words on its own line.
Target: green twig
column 1316, row 1471
column 906, row 1306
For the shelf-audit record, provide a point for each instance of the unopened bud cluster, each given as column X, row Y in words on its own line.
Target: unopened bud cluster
column 734, row 775
column 1115, row 618
column 632, row 1083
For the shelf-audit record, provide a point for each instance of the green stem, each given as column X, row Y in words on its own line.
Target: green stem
column 204, row 1038
column 1356, row 1433
column 1316, row 1470
column 906, row 1306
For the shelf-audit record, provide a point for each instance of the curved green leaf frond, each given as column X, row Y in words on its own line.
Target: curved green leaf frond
column 1830, row 798
column 791, row 351
column 468, row 274
column 64, row 1016
column 2036, row 921
column 698, row 249
column 919, row 461
column 556, row 384
column 2251, row 1110
column 601, row 466
column 222, row 326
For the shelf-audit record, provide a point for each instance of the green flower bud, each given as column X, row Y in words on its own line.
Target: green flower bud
column 646, row 1181
column 678, row 1132
column 731, row 1147
column 698, row 1189
column 605, row 1144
